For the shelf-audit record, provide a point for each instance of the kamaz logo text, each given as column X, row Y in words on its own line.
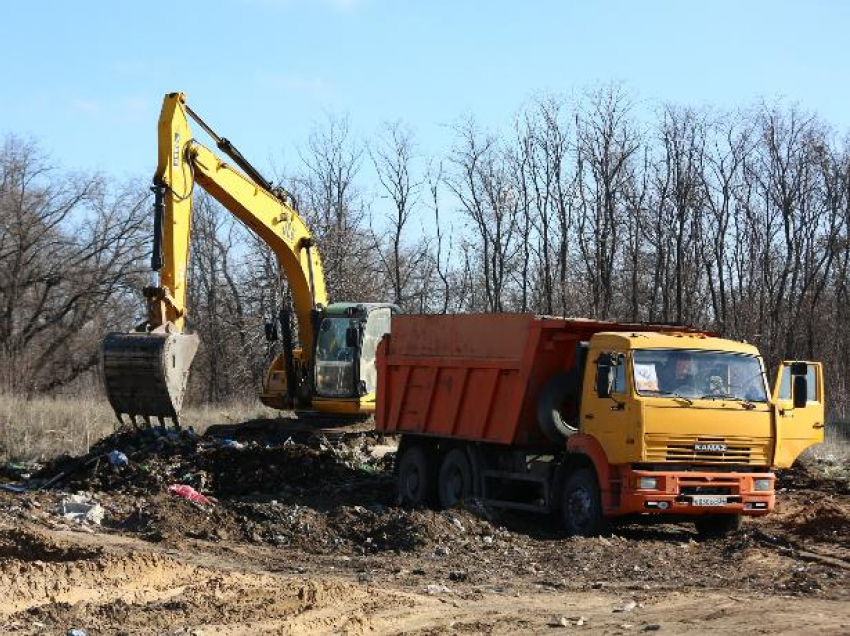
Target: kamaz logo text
column 710, row 448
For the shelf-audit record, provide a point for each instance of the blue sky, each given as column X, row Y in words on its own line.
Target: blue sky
column 86, row 78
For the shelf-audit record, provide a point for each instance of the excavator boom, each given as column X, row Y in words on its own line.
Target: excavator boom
column 146, row 370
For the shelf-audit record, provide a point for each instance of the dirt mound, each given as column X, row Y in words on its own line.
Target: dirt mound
column 30, row 546
column 808, row 476
column 290, row 470
column 354, row 530
column 146, row 593
column 824, row 520
column 164, row 517
column 153, row 459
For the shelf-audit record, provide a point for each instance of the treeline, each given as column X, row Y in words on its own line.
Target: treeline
column 734, row 221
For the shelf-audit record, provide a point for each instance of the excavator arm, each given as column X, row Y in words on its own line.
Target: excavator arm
column 145, row 371
column 184, row 163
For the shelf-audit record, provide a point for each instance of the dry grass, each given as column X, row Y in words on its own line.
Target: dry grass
column 43, row 427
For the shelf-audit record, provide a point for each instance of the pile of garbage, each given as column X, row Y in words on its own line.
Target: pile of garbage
column 166, row 484
column 147, row 461
column 319, row 496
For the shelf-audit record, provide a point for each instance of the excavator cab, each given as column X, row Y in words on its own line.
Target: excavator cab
column 344, row 372
column 341, row 377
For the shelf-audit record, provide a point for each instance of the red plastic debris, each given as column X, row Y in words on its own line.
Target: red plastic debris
column 187, row 492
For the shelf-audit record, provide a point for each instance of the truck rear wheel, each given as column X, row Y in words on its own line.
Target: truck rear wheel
column 415, row 478
column 455, row 482
column 710, row 526
column 581, row 505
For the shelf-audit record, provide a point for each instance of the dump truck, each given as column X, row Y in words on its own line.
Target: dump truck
column 590, row 419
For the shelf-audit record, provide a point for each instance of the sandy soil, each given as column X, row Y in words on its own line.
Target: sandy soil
column 305, row 538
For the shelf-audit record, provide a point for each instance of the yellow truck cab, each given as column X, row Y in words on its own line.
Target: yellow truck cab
column 681, row 422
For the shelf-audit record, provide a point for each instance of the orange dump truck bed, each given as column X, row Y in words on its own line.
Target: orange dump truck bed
column 476, row 376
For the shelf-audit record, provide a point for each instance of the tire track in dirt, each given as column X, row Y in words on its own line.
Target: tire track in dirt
column 105, row 582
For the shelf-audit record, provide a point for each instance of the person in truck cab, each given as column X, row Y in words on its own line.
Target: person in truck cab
column 679, row 374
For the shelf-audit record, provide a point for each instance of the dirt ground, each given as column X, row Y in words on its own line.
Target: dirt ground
column 302, row 535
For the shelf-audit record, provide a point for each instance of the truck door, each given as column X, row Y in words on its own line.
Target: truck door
column 606, row 418
column 800, row 427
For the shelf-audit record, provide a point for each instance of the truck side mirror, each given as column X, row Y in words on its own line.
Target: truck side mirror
column 352, row 337
column 271, row 331
column 800, row 390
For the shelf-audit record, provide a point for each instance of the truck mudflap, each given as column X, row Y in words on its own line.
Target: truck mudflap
column 693, row 493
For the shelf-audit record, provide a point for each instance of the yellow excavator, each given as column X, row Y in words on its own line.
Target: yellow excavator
column 331, row 371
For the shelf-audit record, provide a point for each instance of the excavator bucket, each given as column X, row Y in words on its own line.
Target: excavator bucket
column 145, row 373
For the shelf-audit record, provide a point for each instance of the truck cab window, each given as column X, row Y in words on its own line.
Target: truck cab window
column 785, row 386
column 619, row 373
column 617, row 362
column 700, row 374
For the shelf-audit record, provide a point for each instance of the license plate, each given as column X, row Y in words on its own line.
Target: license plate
column 708, row 501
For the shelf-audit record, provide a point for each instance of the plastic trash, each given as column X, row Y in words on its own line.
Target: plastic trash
column 76, row 632
column 82, row 509
column 117, row 458
column 187, row 492
column 231, row 443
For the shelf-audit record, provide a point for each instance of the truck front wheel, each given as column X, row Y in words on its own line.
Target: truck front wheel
column 581, row 505
column 415, row 478
column 717, row 525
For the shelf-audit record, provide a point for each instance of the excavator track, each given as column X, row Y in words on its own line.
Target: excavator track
column 145, row 373
column 304, row 426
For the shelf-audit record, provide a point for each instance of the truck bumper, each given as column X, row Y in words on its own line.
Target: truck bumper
column 693, row 493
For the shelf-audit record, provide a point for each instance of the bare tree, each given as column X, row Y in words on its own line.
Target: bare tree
column 70, row 246
column 393, row 156
column 483, row 185
column 335, row 211
column 606, row 142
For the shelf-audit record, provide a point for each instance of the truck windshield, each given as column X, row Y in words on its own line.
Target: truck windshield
column 698, row 374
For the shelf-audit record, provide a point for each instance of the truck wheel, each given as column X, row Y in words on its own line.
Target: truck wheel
column 710, row 526
column 415, row 478
column 581, row 505
column 455, row 483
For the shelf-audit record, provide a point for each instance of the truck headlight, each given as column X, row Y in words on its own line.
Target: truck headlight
column 649, row 483
column 762, row 484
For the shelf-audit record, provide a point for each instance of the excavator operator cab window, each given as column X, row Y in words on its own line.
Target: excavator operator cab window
column 334, row 359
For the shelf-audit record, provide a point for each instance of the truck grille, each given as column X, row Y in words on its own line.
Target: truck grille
column 683, row 448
